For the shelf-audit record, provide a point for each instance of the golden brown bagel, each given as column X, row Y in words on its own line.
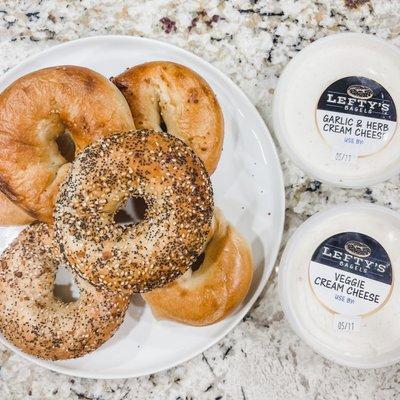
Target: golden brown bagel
column 163, row 91
column 211, row 292
column 34, row 111
column 37, row 322
column 163, row 171
column 11, row 214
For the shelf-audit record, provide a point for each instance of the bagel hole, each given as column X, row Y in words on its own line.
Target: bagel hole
column 66, row 146
column 163, row 125
column 132, row 212
column 65, row 287
column 199, row 261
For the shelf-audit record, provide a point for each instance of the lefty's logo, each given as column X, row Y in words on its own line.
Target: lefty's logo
column 360, row 92
column 358, row 249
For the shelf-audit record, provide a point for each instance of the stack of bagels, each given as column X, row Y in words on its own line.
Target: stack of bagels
column 74, row 148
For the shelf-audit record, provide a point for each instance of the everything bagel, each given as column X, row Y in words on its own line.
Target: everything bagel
column 37, row 322
column 35, row 111
column 165, row 92
column 168, row 176
column 211, row 291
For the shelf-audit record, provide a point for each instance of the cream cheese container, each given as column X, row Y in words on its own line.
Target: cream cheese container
column 336, row 110
column 339, row 284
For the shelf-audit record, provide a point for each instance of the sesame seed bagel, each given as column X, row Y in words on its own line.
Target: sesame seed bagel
column 37, row 322
column 211, row 291
column 163, row 91
column 163, row 171
column 35, row 111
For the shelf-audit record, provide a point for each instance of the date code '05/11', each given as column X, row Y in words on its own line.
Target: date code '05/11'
column 345, row 157
column 343, row 323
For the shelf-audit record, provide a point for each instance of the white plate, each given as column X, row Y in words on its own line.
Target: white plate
column 248, row 188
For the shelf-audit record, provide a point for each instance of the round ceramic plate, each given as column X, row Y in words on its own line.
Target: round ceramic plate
column 248, row 188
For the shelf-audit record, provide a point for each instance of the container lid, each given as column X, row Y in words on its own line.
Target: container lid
column 339, row 284
column 336, row 107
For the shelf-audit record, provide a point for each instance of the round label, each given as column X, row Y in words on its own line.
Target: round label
column 356, row 115
column 351, row 274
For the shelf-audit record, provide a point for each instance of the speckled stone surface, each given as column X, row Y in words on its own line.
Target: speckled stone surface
column 251, row 42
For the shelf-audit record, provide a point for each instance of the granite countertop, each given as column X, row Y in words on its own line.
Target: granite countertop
column 250, row 42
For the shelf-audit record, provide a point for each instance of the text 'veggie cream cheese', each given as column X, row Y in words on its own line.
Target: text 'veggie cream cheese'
column 339, row 286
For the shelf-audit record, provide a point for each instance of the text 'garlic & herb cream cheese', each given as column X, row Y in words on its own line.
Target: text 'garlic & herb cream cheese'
column 336, row 110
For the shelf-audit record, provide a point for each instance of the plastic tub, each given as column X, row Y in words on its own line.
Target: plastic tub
column 335, row 110
column 339, row 284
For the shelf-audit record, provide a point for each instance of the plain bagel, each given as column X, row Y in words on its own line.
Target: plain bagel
column 163, row 171
column 11, row 214
column 165, row 92
column 37, row 322
column 211, row 291
column 35, row 111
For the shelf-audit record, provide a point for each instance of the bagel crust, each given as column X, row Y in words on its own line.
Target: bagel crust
column 37, row 322
column 34, row 111
column 169, row 92
column 11, row 214
column 211, row 292
column 163, row 171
